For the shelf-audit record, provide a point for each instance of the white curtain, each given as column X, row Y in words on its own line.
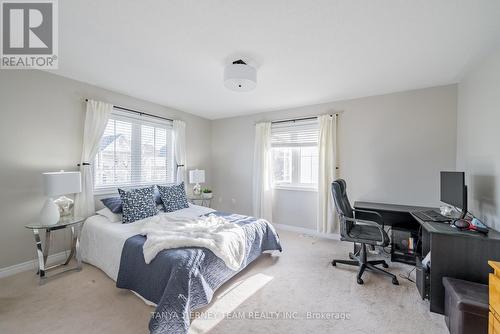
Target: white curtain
column 179, row 132
column 327, row 173
column 262, row 173
column 96, row 119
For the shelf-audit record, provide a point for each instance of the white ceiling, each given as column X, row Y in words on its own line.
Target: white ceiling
column 306, row 51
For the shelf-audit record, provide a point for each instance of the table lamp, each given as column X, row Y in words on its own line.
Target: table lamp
column 59, row 184
column 197, row 176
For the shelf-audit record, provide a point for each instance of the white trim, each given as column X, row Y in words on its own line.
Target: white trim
column 106, row 191
column 32, row 264
column 303, row 230
column 295, row 188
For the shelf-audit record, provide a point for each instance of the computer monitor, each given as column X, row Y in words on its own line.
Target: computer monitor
column 454, row 190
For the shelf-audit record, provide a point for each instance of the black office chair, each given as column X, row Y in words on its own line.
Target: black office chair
column 366, row 231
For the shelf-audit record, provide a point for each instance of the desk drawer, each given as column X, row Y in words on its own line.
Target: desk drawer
column 493, row 324
column 494, row 292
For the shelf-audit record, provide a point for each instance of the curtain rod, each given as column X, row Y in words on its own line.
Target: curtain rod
column 302, row 118
column 138, row 112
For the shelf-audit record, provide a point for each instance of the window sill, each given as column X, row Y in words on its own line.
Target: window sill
column 295, row 188
column 106, row 191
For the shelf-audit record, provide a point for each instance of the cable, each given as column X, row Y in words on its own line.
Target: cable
column 418, row 239
column 384, row 248
column 407, row 277
column 466, row 211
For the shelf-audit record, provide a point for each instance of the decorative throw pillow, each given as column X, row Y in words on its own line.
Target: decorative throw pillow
column 158, row 197
column 173, row 197
column 116, row 206
column 138, row 203
column 112, row 217
column 113, row 203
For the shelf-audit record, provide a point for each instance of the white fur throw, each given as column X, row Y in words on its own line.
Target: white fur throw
column 225, row 239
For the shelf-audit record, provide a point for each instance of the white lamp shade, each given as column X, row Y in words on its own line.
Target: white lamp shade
column 61, row 183
column 240, row 77
column 197, row 176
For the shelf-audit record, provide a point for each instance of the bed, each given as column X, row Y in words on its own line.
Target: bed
column 101, row 241
column 177, row 281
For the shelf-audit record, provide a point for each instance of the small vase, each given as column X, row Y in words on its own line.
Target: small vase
column 207, row 195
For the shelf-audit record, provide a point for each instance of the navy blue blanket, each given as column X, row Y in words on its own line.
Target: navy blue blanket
column 183, row 279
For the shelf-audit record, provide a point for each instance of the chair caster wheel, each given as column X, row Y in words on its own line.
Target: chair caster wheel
column 395, row 281
column 360, row 281
column 334, row 263
column 385, row 265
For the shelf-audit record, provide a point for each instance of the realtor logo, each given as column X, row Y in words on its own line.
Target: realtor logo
column 29, row 34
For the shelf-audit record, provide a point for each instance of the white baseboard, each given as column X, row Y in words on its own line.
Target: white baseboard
column 31, row 265
column 303, row 230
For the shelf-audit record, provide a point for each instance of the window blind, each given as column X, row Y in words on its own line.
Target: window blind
column 295, row 153
column 295, row 133
column 135, row 150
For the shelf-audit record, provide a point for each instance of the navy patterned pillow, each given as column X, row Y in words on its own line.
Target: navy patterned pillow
column 173, row 197
column 113, row 203
column 138, row 203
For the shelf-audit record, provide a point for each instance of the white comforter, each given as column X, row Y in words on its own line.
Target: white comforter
column 225, row 239
column 102, row 241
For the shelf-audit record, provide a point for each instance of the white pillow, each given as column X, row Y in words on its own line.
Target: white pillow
column 112, row 217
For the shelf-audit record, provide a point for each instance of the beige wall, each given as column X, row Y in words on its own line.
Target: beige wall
column 391, row 149
column 41, row 129
column 478, row 152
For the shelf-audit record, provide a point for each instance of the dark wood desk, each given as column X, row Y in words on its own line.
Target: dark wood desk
column 393, row 214
column 454, row 253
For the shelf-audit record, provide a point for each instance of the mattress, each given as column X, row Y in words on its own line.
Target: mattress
column 101, row 241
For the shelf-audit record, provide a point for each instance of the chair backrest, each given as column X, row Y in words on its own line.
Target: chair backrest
column 341, row 200
column 342, row 205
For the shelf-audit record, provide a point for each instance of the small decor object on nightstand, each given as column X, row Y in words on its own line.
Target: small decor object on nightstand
column 196, row 177
column 57, row 184
column 206, row 193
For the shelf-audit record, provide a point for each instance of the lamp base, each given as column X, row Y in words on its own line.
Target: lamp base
column 50, row 213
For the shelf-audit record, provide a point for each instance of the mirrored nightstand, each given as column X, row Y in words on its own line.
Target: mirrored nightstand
column 75, row 224
column 200, row 200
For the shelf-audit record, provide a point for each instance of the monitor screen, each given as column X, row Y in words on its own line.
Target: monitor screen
column 453, row 189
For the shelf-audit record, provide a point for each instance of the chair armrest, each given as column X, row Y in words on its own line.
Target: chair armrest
column 378, row 217
column 363, row 222
column 376, row 220
column 355, row 221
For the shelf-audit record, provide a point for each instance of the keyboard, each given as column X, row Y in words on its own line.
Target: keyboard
column 431, row 216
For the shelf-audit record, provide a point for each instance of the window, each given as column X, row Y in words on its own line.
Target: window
column 295, row 154
column 134, row 151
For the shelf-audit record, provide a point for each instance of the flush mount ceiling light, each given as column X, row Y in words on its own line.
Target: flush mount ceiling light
column 240, row 77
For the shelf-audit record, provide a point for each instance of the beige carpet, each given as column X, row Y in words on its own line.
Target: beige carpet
column 297, row 291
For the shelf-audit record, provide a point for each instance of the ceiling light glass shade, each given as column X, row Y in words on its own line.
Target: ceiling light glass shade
column 240, row 77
